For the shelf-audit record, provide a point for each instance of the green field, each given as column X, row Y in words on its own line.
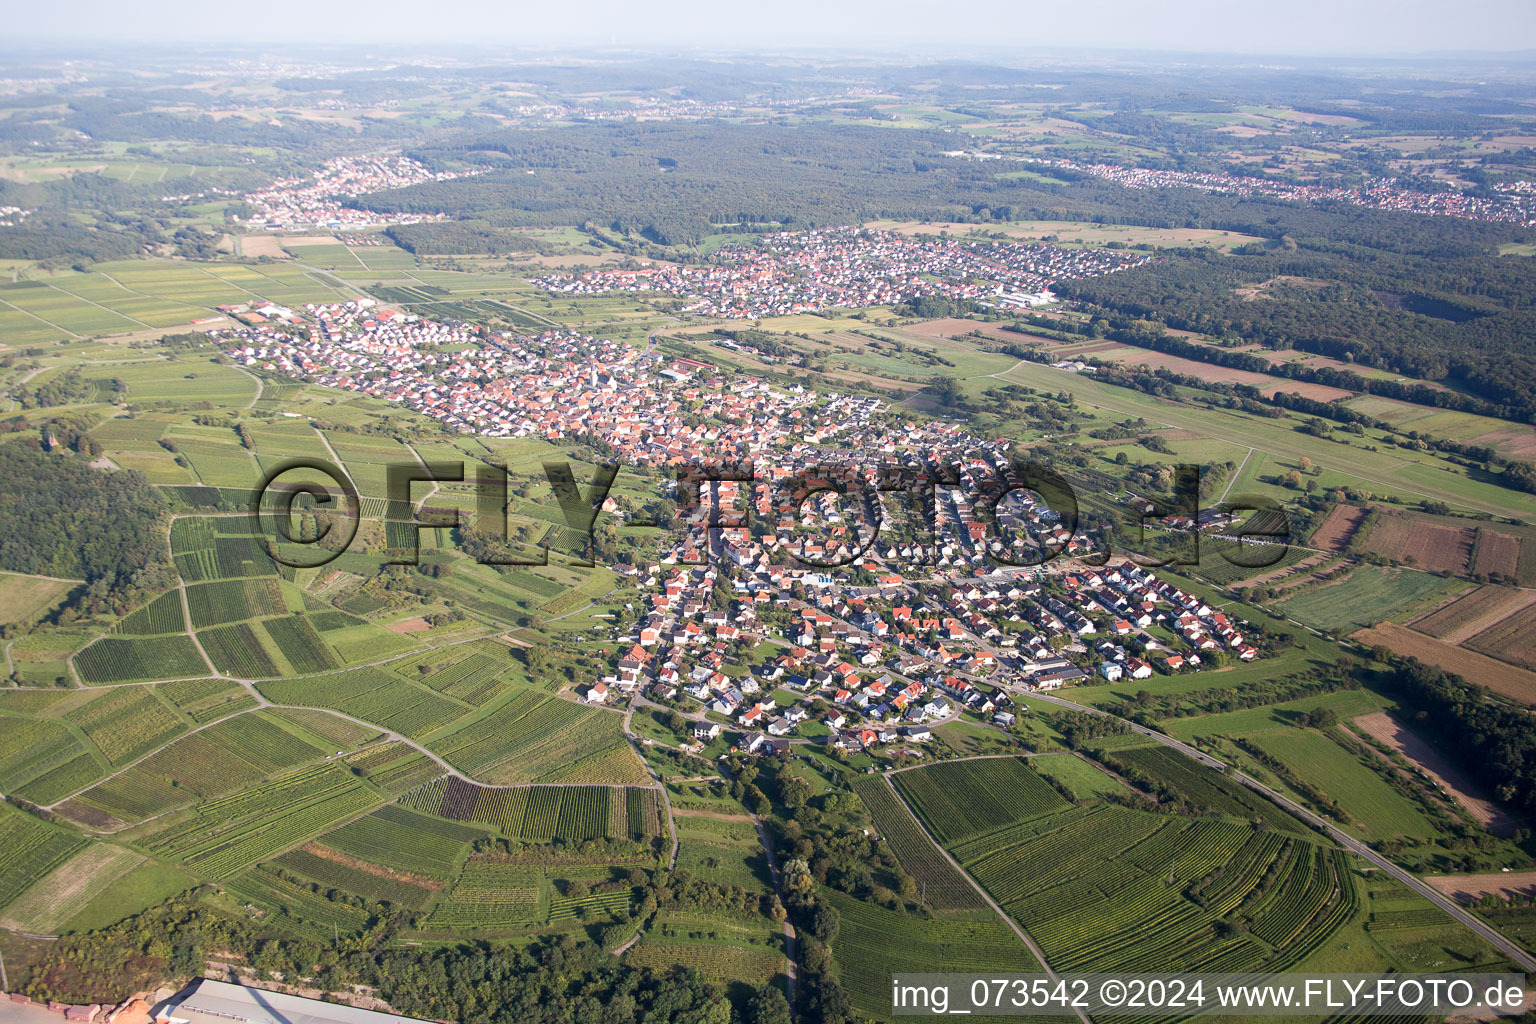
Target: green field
column 1369, row 595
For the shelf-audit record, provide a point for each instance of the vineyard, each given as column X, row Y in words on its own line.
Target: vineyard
column 376, row 885
column 30, row 748
column 29, row 849
column 220, row 759
column 542, row 813
column 475, row 679
column 265, row 887
column 960, row 799
column 124, row 660
column 944, row 887
column 727, row 963
column 162, row 615
column 403, row 839
column 237, row 651
column 491, row 893
column 213, row 604
column 126, row 723
column 1106, row 888
column 373, row 695
column 1201, row 787
column 535, row 737
column 873, row 943
column 204, row 700
column 226, row 834
column 301, row 645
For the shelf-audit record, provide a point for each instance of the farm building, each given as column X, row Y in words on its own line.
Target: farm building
column 218, row 1002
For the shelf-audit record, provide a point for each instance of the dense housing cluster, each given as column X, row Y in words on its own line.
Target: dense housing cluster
column 319, row 201
column 801, row 272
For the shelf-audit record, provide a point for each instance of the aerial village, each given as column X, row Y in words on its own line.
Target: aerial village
column 791, row 272
column 778, row 585
column 1511, row 202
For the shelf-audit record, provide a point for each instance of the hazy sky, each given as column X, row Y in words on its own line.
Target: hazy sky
column 1278, row 27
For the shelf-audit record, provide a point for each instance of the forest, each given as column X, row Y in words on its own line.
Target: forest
column 65, row 518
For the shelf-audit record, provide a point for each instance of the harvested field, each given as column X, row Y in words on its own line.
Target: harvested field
column 301, row 240
column 1467, row 888
column 1516, row 442
column 1321, row 392
column 263, row 245
column 1423, row 545
column 1294, row 569
column 415, row 625
column 1497, row 554
column 1196, row 368
column 1514, row 683
column 1512, row 639
column 1386, row 729
column 1472, row 613
column 1336, row 531
column 954, row 327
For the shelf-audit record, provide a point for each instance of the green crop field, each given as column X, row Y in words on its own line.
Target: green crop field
column 1374, row 805
column 1082, row 778
column 960, row 799
column 1369, row 595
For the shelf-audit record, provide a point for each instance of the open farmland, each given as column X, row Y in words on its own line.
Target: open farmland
column 29, row 849
column 25, row 598
column 57, row 897
column 1473, row 612
column 1367, row 596
column 1377, row 809
column 1512, row 639
column 1428, row 546
column 1500, row 677
column 1336, row 531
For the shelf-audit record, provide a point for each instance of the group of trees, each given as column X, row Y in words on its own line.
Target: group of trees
column 65, row 518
